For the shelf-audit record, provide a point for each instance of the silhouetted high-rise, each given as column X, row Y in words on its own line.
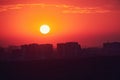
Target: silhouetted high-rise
column 46, row 50
column 112, row 48
column 69, row 49
column 114, row 45
column 36, row 52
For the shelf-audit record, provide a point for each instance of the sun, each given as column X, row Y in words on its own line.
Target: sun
column 44, row 29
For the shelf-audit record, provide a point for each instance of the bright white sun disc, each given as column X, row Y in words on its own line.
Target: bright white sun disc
column 44, row 29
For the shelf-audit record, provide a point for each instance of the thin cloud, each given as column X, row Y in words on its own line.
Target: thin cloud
column 86, row 10
column 10, row 7
column 63, row 8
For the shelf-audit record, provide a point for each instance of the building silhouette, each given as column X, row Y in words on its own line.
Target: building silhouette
column 46, row 51
column 113, row 45
column 112, row 48
column 36, row 51
column 69, row 49
column 2, row 53
column 1, row 50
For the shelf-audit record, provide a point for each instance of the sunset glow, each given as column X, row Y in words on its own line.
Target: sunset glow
column 89, row 22
column 60, row 39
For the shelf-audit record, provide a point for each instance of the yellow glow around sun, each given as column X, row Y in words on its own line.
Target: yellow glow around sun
column 44, row 29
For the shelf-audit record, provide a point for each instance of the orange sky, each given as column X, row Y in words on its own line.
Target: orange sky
column 89, row 22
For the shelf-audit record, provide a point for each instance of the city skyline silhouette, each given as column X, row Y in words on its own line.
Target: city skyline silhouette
column 68, row 50
column 59, row 39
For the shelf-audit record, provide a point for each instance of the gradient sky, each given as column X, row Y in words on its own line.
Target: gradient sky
column 89, row 22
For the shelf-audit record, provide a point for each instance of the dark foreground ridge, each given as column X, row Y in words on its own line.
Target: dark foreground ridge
column 68, row 62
